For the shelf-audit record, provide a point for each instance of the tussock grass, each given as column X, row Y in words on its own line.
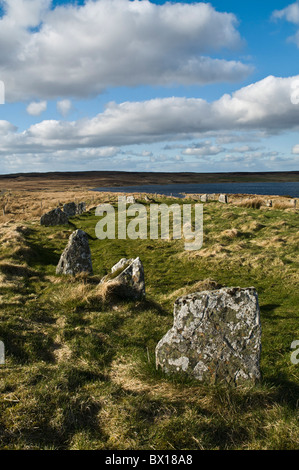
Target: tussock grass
column 255, row 203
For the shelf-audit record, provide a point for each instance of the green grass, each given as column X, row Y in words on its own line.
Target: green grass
column 80, row 373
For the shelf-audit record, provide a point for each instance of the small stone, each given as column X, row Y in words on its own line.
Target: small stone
column 131, row 200
column 54, row 217
column 204, row 198
column 223, row 198
column 76, row 257
column 216, row 337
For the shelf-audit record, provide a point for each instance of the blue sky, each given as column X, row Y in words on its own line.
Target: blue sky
column 149, row 86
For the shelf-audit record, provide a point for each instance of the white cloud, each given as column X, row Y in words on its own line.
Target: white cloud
column 64, row 107
column 36, row 108
column 264, row 108
column 290, row 14
column 81, row 50
column 203, row 149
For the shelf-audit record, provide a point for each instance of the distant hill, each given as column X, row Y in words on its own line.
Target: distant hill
column 91, row 179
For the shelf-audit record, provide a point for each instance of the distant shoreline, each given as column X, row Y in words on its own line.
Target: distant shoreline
column 92, row 179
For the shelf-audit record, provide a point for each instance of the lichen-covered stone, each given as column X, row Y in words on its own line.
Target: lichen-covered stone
column 216, row 337
column 128, row 278
column 131, row 200
column 54, row 217
column 81, row 208
column 121, row 264
column 70, row 209
column 76, row 257
column 223, row 198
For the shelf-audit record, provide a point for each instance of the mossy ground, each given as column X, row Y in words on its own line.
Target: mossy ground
column 80, row 372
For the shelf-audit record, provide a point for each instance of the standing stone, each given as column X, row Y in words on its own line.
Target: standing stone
column 70, row 209
column 223, row 198
column 128, row 278
column 124, row 262
column 131, row 200
column 54, row 217
column 76, row 257
column 216, row 337
column 81, row 208
column 204, row 198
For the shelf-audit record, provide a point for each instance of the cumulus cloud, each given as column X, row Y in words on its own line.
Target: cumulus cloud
column 81, row 50
column 290, row 14
column 263, row 107
column 203, row 149
column 64, row 107
column 36, row 108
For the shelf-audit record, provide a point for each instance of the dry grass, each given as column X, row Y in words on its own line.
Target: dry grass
column 255, row 203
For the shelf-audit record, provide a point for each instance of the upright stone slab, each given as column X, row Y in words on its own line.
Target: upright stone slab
column 216, row 337
column 223, row 198
column 81, row 208
column 124, row 262
column 54, row 217
column 128, row 278
column 131, row 200
column 70, row 209
column 76, row 257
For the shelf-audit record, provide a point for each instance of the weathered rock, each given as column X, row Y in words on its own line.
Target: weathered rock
column 76, row 257
column 81, row 208
column 223, row 198
column 124, row 262
column 131, row 200
column 54, row 217
column 216, row 337
column 70, row 209
column 269, row 203
column 128, row 278
column 204, row 198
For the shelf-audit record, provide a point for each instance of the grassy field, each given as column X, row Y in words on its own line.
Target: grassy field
column 80, row 368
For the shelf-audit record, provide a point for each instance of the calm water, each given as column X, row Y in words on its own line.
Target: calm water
column 177, row 190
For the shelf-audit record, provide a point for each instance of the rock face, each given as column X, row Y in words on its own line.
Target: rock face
column 128, row 278
column 54, row 217
column 216, row 337
column 70, row 209
column 223, row 198
column 76, row 257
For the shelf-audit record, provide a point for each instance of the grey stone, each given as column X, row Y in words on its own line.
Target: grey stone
column 128, row 277
column 70, row 209
column 121, row 264
column 223, row 198
column 269, row 203
column 204, row 198
column 54, row 217
column 81, row 208
column 216, row 337
column 76, row 258
column 131, row 200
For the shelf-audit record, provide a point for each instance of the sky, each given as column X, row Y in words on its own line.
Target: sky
column 138, row 85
